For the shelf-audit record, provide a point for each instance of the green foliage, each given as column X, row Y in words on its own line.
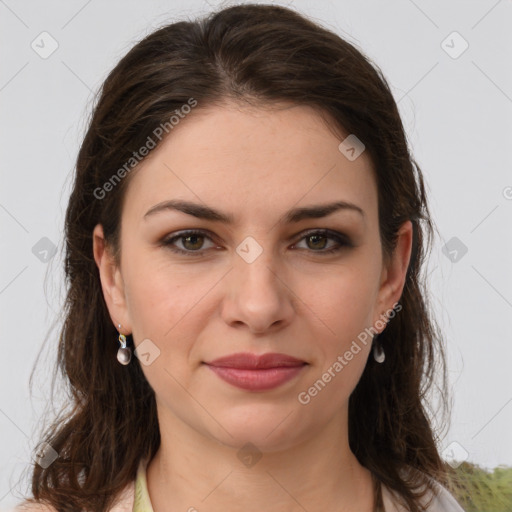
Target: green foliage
column 479, row 490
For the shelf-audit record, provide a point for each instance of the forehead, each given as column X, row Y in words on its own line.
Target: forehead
column 254, row 161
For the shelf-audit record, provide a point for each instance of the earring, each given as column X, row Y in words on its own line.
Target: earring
column 124, row 354
column 378, row 350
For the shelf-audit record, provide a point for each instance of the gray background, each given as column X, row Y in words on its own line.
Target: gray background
column 457, row 111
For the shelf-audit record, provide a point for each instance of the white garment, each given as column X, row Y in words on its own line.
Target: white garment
column 442, row 501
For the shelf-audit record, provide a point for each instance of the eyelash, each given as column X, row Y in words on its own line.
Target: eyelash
column 342, row 240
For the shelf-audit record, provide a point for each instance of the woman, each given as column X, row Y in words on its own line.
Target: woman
column 247, row 222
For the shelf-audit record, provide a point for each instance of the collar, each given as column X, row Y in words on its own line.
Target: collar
column 142, row 503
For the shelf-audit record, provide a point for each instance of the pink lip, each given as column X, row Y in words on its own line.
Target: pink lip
column 256, row 373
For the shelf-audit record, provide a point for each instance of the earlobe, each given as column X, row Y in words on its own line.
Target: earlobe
column 111, row 281
column 395, row 272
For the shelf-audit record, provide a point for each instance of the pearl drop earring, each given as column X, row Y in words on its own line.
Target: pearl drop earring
column 124, row 354
column 378, row 350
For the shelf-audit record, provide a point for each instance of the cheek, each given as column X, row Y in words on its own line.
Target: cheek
column 157, row 295
column 163, row 307
column 168, row 303
column 346, row 307
column 346, row 299
column 345, row 303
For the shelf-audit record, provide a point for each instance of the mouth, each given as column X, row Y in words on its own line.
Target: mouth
column 249, row 361
column 254, row 372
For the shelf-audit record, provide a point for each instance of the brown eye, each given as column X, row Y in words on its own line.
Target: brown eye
column 191, row 241
column 316, row 241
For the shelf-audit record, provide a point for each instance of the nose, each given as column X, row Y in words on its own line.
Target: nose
column 257, row 295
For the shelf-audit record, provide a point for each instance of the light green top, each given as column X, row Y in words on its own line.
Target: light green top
column 142, row 502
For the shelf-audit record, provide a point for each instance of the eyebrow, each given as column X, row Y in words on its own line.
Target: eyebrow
column 292, row 216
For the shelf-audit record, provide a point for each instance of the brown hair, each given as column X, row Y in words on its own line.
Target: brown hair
column 259, row 54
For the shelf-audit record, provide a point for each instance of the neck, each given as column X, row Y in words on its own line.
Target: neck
column 191, row 471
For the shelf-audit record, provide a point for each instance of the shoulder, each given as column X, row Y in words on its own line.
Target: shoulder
column 438, row 500
column 124, row 503
column 443, row 501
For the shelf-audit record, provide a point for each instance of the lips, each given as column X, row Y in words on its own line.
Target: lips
column 254, row 372
column 248, row 361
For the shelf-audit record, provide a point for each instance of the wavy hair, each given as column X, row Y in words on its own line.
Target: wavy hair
column 259, row 55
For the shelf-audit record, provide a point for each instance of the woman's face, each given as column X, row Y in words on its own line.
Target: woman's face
column 263, row 282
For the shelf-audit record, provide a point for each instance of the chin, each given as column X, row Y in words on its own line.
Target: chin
column 268, row 427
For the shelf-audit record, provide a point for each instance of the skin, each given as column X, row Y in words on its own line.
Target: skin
column 256, row 164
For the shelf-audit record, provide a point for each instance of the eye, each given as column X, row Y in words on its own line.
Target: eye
column 193, row 242
column 318, row 238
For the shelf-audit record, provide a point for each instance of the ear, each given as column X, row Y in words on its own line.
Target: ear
column 394, row 272
column 111, row 282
